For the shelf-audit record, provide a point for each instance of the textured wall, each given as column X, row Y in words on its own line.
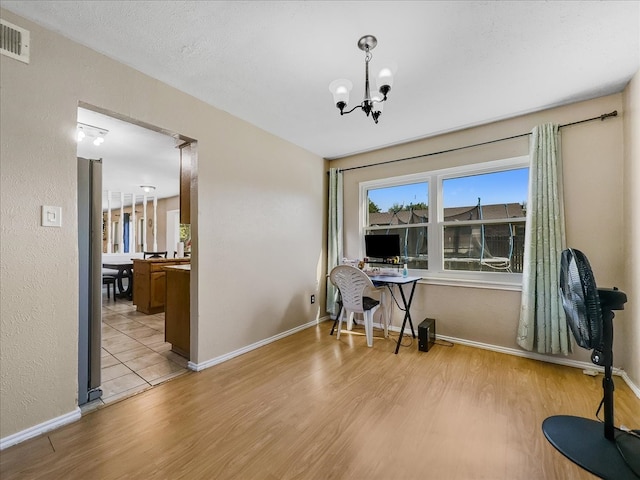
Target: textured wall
column 259, row 207
column 629, row 326
column 593, row 167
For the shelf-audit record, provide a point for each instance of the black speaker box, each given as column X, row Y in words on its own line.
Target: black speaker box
column 426, row 334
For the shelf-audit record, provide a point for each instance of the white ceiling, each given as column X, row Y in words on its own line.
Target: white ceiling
column 459, row 64
column 132, row 156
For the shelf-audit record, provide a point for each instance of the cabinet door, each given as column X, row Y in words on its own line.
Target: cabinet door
column 176, row 313
column 158, row 289
column 140, row 290
column 141, row 284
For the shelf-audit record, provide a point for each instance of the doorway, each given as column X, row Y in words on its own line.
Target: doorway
column 141, row 184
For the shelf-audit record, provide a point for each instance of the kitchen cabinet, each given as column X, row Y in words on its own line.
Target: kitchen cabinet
column 149, row 283
column 177, row 317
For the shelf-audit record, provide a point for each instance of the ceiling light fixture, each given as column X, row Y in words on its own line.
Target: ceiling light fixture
column 371, row 103
column 89, row 131
column 147, row 188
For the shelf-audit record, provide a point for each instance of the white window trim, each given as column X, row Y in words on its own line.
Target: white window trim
column 436, row 274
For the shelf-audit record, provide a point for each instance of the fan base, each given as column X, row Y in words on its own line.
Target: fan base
column 582, row 441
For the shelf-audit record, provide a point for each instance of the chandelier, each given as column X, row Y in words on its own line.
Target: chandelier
column 372, row 104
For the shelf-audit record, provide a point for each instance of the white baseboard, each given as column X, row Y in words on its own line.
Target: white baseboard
column 228, row 356
column 532, row 355
column 543, row 358
column 535, row 356
column 634, row 388
column 40, row 429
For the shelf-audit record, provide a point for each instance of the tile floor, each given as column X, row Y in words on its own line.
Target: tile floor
column 135, row 356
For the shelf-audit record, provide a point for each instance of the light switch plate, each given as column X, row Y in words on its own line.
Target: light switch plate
column 51, row 216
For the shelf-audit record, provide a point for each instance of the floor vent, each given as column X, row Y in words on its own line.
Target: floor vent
column 14, row 41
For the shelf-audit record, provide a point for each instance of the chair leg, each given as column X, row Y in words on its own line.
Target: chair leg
column 368, row 327
column 350, row 321
column 110, row 283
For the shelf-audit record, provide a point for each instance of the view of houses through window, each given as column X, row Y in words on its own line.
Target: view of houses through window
column 469, row 219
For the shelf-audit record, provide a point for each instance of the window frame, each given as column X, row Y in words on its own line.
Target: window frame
column 435, row 273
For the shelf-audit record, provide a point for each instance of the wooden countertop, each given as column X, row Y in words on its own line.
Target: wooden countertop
column 163, row 260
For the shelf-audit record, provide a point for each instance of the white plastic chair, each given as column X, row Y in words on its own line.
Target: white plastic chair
column 353, row 284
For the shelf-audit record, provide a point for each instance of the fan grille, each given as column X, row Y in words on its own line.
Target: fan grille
column 580, row 299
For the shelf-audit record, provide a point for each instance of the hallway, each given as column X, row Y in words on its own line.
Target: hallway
column 135, row 356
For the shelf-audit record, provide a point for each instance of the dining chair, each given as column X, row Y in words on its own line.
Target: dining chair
column 353, row 284
column 110, row 282
column 154, row 255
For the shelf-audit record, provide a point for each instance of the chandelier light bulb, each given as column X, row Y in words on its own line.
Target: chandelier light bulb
column 340, row 89
column 385, row 80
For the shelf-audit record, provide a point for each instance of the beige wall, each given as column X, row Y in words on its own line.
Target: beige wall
column 164, row 205
column 257, row 213
column 629, row 326
column 593, row 168
column 260, row 219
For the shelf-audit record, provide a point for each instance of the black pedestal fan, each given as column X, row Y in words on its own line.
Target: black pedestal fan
column 598, row 447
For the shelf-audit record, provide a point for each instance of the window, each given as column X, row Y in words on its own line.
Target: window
column 477, row 221
column 403, row 210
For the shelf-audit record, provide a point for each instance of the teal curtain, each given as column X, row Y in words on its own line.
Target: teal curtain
column 334, row 235
column 543, row 326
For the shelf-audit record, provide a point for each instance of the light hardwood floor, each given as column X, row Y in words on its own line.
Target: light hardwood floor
column 312, row 407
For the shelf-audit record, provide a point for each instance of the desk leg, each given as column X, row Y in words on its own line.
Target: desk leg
column 386, row 312
column 407, row 314
column 335, row 322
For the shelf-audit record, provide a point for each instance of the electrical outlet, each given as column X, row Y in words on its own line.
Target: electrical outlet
column 313, row 299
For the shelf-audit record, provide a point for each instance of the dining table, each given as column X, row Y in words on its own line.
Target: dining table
column 124, row 270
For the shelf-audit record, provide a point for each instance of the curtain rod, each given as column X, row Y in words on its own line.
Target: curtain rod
column 604, row 116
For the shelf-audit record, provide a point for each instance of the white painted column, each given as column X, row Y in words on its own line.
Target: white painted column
column 144, row 223
column 121, row 225
column 109, row 227
column 155, row 223
column 134, row 229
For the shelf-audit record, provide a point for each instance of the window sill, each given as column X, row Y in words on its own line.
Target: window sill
column 514, row 285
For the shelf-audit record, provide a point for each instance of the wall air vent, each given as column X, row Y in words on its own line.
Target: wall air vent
column 14, row 41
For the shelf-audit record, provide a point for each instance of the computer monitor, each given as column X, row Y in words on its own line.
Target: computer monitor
column 382, row 246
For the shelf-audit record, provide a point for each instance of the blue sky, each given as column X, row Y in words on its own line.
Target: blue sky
column 501, row 187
